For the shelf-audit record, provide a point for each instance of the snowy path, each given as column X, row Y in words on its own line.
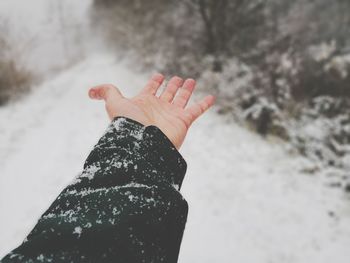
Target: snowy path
column 248, row 200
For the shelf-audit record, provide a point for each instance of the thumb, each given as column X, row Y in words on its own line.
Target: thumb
column 105, row 92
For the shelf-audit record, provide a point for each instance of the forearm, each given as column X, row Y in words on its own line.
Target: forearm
column 124, row 206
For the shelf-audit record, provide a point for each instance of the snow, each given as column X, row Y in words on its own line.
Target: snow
column 78, row 230
column 248, row 199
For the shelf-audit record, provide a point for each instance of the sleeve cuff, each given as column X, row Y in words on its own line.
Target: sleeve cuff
column 156, row 148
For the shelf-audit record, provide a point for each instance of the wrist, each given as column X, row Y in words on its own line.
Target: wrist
column 130, row 152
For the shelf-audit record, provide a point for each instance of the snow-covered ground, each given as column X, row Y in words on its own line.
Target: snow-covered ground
column 249, row 200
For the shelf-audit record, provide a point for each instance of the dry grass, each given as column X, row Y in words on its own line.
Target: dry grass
column 15, row 80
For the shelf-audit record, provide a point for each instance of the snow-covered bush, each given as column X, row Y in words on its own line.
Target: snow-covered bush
column 323, row 131
column 326, row 72
column 292, row 96
column 298, row 98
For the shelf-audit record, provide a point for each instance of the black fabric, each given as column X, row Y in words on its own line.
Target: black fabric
column 125, row 206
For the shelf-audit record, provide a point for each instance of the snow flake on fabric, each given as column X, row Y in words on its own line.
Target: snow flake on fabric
column 78, row 230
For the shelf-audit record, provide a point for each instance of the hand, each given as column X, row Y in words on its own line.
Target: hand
column 168, row 112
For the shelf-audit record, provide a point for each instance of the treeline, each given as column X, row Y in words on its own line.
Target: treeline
column 190, row 36
column 282, row 66
column 179, row 31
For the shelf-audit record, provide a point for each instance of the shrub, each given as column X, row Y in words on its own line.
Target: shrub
column 14, row 79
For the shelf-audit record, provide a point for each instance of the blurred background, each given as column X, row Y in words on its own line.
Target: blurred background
column 268, row 167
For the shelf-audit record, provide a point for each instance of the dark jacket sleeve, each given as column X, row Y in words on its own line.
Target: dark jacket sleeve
column 125, row 206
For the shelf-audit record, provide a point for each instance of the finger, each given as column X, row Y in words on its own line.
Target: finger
column 196, row 110
column 184, row 93
column 169, row 92
column 105, row 92
column 153, row 84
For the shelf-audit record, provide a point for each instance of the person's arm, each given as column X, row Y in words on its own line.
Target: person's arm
column 124, row 207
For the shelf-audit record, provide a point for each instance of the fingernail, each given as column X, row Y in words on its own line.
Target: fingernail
column 158, row 77
column 190, row 83
column 179, row 80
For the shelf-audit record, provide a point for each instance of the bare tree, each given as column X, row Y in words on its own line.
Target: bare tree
column 230, row 27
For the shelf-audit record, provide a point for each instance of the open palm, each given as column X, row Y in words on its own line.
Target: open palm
column 168, row 111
